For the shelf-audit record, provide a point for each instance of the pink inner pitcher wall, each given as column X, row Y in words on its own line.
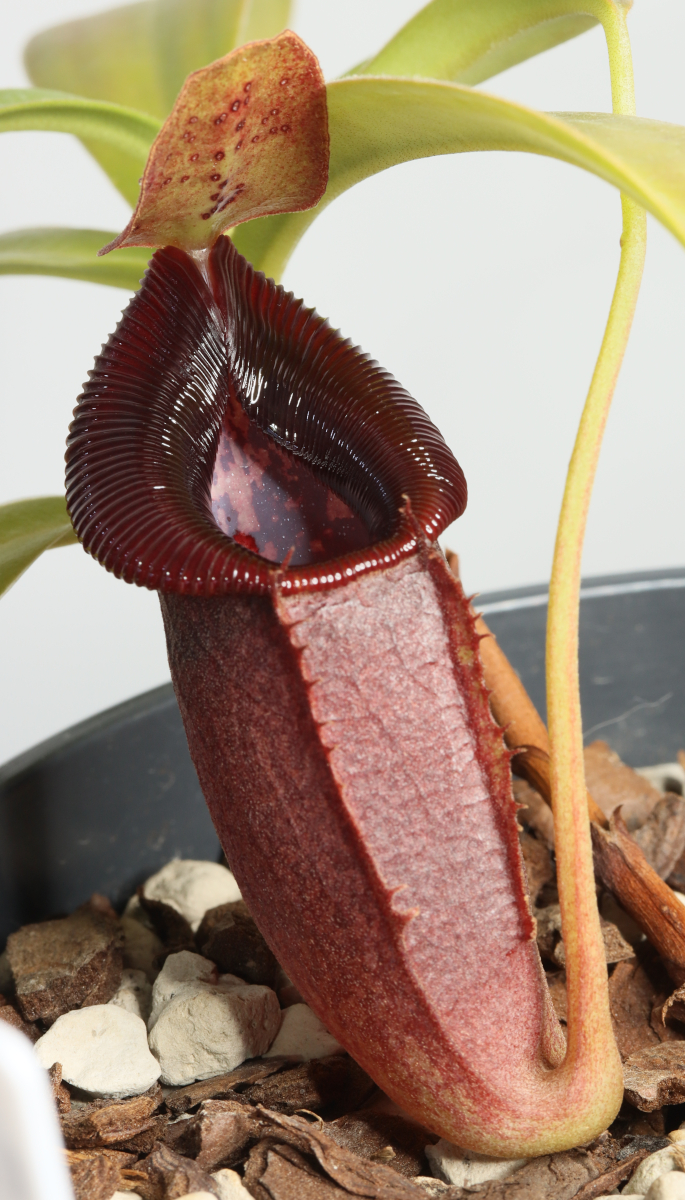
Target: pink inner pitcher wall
column 271, row 502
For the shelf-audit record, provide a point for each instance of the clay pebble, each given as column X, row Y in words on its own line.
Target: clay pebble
column 103, row 1050
column 650, row 1169
column 668, row 1187
column 143, row 950
column 207, row 1030
column 134, row 994
column 465, row 1168
column 203, row 1024
column 192, row 887
column 179, row 970
column 303, row 1035
column 229, row 1185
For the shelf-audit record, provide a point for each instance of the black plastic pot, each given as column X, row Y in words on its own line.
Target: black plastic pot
column 103, row 805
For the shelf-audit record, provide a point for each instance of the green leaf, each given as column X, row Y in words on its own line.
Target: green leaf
column 72, row 254
column 121, row 133
column 377, row 123
column 467, row 41
column 27, row 528
column 139, row 55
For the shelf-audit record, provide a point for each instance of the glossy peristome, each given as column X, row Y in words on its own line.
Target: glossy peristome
column 209, row 357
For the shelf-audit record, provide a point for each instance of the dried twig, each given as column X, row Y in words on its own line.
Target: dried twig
column 608, row 1182
column 624, row 870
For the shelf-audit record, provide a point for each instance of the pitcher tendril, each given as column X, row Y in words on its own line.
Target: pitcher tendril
column 590, row 1012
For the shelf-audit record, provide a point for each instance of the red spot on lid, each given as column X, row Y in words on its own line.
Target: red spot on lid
column 275, row 112
column 274, row 130
column 247, row 86
column 240, row 125
column 215, row 177
column 194, row 157
column 219, row 155
column 192, row 121
column 220, row 119
column 283, row 81
column 235, row 106
column 166, row 181
column 184, row 178
column 238, row 145
column 265, row 120
column 256, row 139
column 285, row 128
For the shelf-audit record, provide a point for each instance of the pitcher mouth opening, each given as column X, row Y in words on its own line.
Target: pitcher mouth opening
column 272, row 502
column 229, row 440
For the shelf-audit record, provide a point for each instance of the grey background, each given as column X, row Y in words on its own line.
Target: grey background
column 481, row 281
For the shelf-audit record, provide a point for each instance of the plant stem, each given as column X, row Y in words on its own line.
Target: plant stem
column 589, row 1019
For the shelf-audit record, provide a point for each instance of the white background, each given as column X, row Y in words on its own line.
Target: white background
column 481, row 281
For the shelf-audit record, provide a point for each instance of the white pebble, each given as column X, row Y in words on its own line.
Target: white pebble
column 103, row 1050
column 668, row 1187
column 134, row 994
column 200, row 1196
column 178, row 971
column 207, row 1029
column 192, row 887
column 304, row 1035
column 665, row 777
column 230, row 1186
column 465, row 1168
column 651, row 1168
column 142, row 947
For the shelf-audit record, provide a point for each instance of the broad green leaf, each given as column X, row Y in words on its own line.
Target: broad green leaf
column 377, row 123
column 27, row 528
column 467, row 41
column 122, row 131
column 139, row 55
column 247, row 136
column 72, row 254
